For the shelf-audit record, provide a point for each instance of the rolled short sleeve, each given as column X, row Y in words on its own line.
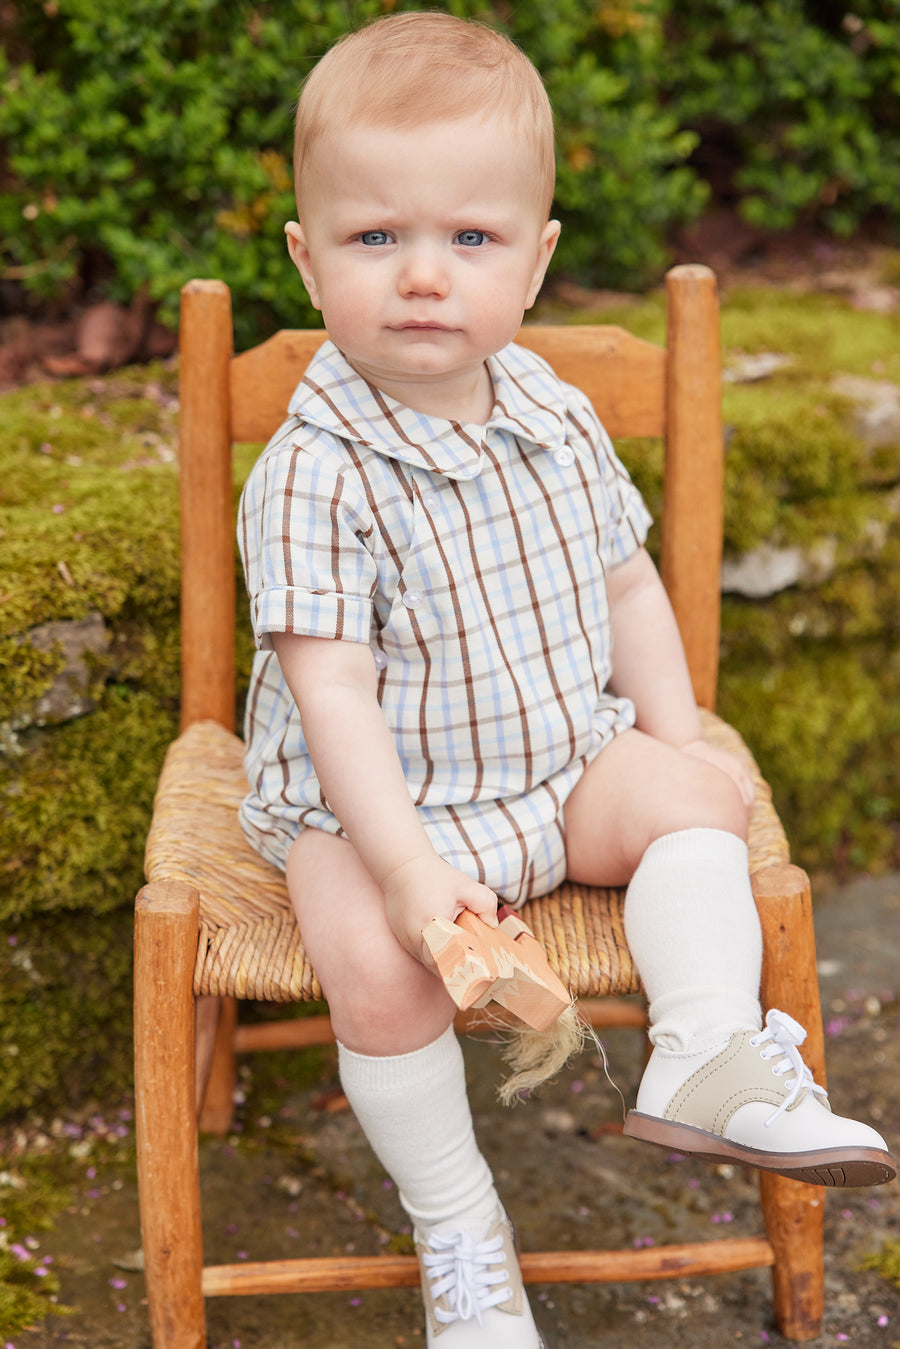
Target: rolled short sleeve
column 303, row 532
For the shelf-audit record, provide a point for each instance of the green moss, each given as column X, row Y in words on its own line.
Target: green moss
column 825, row 729
column 786, row 455
column 88, row 519
column 27, row 674
column 31, row 1195
column 76, row 799
column 886, row 1262
column 859, row 604
column 644, row 457
column 76, row 806
column 24, row 1297
column 823, row 334
column 65, row 1009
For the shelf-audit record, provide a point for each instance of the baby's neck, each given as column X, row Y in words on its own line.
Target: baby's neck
column 466, row 397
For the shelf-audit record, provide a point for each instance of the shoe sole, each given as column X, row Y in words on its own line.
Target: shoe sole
column 835, row 1167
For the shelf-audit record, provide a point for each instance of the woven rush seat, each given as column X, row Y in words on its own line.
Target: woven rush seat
column 250, row 945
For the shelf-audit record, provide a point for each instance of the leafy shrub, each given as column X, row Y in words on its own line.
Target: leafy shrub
column 150, row 143
column 798, row 114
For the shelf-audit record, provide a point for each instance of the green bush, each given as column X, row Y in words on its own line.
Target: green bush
column 796, row 105
column 149, row 143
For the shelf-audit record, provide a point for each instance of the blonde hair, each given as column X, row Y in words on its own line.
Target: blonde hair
column 405, row 69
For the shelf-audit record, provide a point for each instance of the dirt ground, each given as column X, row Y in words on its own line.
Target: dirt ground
column 302, row 1180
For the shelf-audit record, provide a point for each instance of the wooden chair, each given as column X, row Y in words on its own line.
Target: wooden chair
column 214, row 923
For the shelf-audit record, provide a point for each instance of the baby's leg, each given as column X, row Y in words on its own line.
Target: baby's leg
column 381, row 1000
column 674, row 829
column 635, row 792
column 402, row 1070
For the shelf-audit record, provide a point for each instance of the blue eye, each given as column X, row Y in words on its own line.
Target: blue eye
column 471, row 238
column 375, row 238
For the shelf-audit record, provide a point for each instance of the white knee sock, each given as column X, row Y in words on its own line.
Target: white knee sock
column 414, row 1110
column 693, row 930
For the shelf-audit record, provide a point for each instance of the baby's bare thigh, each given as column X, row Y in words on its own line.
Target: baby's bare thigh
column 637, row 790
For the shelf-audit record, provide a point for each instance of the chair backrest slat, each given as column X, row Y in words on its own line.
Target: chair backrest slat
column 624, row 377
column 263, row 379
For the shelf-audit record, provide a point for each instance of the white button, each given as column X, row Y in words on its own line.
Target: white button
column 413, row 598
column 431, row 500
column 380, row 659
column 565, row 456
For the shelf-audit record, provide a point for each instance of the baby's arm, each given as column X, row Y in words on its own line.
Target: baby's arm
column 359, row 771
column 650, row 667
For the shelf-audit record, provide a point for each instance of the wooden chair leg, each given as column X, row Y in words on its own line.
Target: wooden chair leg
column 794, row 1213
column 165, row 947
column 216, row 1072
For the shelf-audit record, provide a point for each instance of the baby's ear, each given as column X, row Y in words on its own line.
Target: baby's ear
column 546, row 245
column 297, row 248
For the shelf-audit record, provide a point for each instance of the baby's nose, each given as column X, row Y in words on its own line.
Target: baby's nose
column 423, row 273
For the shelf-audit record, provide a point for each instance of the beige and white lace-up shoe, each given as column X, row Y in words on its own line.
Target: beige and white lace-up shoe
column 472, row 1288
column 753, row 1100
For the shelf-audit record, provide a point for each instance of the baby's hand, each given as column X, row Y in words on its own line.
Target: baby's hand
column 427, row 887
column 727, row 763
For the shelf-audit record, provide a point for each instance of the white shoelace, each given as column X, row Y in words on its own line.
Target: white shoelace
column 461, row 1268
column 782, row 1037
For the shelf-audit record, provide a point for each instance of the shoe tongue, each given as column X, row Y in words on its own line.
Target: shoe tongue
column 784, row 1029
column 474, row 1230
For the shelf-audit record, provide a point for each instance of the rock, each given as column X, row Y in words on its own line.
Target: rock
column 69, row 694
column 876, row 299
column 108, row 335
column 747, row 369
column 877, row 415
column 27, row 347
column 767, row 570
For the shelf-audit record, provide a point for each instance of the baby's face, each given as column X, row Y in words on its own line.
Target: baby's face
column 423, row 248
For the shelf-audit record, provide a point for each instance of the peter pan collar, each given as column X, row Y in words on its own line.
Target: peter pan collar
column 529, row 402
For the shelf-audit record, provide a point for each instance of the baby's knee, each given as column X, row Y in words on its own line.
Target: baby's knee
column 717, row 803
column 384, row 1002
